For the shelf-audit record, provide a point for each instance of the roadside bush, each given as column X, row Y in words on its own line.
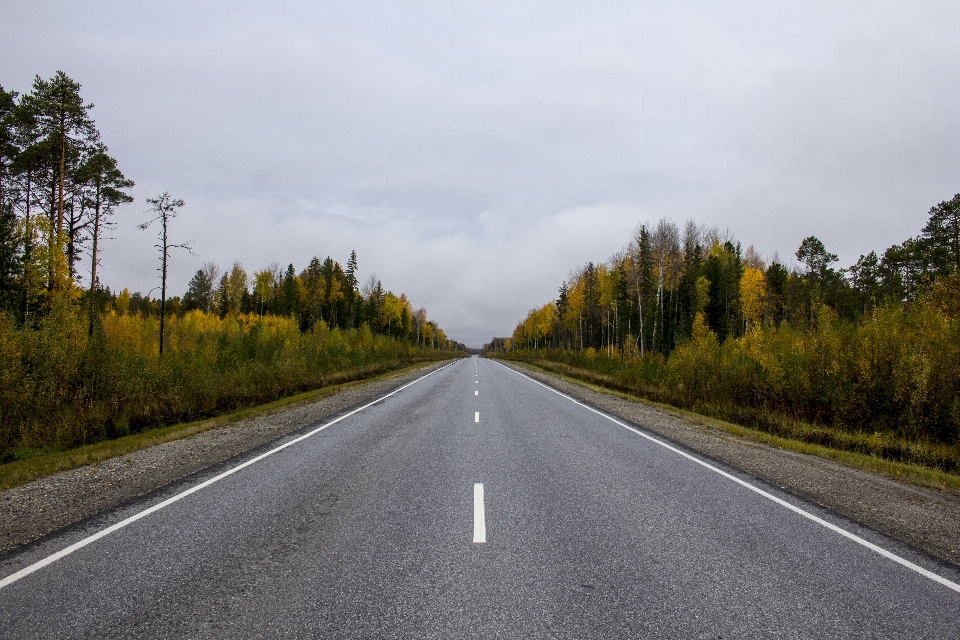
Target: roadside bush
column 887, row 386
column 61, row 387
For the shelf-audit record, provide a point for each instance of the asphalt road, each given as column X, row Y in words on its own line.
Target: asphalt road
column 366, row 529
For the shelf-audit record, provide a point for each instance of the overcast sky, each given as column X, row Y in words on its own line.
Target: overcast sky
column 474, row 153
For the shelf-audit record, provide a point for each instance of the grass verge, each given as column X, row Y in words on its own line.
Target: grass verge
column 912, row 473
column 23, row 471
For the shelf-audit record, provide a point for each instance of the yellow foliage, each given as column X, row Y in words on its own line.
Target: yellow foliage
column 946, row 295
column 391, row 312
column 701, row 330
column 537, row 327
column 703, row 294
column 59, row 386
column 131, row 334
column 122, row 303
column 753, row 291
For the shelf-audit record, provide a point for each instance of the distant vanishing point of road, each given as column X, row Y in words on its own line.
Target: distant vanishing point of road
column 473, row 503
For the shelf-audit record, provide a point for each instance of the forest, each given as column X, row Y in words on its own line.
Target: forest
column 81, row 363
column 864, row 358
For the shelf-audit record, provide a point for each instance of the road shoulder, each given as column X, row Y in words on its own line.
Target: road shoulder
column 925, row 519
column 33, row 510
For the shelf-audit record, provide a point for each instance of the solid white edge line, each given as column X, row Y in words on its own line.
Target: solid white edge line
column 479, row 518
column 123, row 523
column 806, row 514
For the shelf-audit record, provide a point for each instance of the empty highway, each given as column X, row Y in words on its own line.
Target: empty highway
column 473, row 503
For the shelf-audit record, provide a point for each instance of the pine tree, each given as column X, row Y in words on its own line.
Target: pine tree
column 63, row 121
column 8, row 144
column 10, row 260
column 942, row 236
column 289, row 303
column 563, row 303
column 351, row 272
column 106, row 191
column 351, row 293
column 200, row 291
column 165, row 207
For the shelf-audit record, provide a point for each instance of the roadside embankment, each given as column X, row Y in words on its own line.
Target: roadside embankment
column 32, row 510
column 924, row 518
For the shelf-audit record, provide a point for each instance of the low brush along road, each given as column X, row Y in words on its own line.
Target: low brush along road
column 474, row 502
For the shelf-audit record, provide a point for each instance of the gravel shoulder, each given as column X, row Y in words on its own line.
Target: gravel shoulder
column 925, row 519
column 33, row 510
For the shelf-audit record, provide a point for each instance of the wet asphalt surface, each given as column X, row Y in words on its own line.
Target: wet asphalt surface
column 365, row 529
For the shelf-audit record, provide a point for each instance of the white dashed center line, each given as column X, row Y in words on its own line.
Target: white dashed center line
column 479, row 519
column 476, row 416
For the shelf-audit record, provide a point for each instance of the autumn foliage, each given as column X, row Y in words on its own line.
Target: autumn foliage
column 79, row 363
column 864, row 359
column 60, row 386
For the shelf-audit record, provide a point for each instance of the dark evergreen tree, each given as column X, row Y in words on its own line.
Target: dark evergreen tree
column 315, row 289
column 941, row 236
column 591, row 307
column 815, row 256
column 865, row 279
column 288, row 288
column 62, row 119
column 106, row 190
column 10, row 260
column 9, row 149
column 334, row 294
column 352, row 294
column 623, row 305
column 692, row 270
column 777, row 277
column 200, row 292
column 563, row 303
column 644, row 294
column 351, row 272
column 222, row 296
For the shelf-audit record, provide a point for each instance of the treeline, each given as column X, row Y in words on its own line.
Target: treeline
column 687, row 317
column 323, row 291
column 79, row 363
column 59, row 189
column 649, row 293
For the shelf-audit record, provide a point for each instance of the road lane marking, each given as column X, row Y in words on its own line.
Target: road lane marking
column 476, row 393
column 22, row 573
column 479, row 519
column 806, row 514
column 476, row 416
